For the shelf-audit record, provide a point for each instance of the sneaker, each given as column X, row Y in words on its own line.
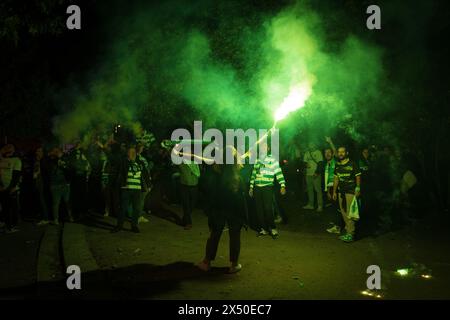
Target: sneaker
column 135, row 229
column 334, row 229
column 43, row 223
column 347, row 237
column 204, row 266
column 235, row 269
column 142, row 219
column 328, row 204
column 278, row 220
column 12, row 230
column 188, row 227
column 319, row 209
column 106, row 214
column 308, row 207
column 274, row 234
column 261, row 233
column 71, row 219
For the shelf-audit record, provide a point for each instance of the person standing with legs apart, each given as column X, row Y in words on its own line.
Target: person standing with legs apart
column 347, row 182
column 131, row 179
column 261, row 187
column 227, row 191
column 313, row 158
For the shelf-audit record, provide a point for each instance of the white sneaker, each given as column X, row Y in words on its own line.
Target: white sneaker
column 334, row 229
column 308, row 207
column 43, row 223
column 142, row 219
column 235, row 269
column 204, row 266
column 274, row 233
column 262, row 232
column 278, row 220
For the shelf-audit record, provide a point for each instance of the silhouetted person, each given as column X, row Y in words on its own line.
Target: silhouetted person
column 226, row 193
column 10, row 174
column 132, row 182
column 110, row 176
column 264, row 173
column 80, row 170
column 59, row 184
column 347, row 182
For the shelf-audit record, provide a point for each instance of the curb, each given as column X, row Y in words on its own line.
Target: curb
column 49, row 260
column 76, row 249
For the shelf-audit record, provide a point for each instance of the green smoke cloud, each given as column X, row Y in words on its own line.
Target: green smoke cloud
column 169, row 67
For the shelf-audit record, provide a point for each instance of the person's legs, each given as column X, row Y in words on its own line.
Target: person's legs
column 65, row 197
column 6, row 208
column 186, row 204
column 56, row 200
column 349, row 224
column 142, row 202
column 216, row 223
column 78, row 197
column 106, row 190
column 318, row 190
column 115, row 194
column 136, row 201
column 344, row 204
column 259, row 204
column 310, row 191
column 212, row 244
column 122, row 213
column 269, row 220
column 42, row 202
column 235, row 242
column 334, row 218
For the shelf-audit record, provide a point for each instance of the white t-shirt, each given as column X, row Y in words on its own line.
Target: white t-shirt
column 312, row 159
column 7, row 166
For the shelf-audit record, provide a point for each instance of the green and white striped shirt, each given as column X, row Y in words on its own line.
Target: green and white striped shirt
column 134, row 177
column 264, row 172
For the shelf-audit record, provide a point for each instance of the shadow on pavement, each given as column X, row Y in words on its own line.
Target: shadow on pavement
column 140, row 281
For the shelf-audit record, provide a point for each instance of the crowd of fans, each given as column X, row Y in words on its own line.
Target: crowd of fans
column 124, row 179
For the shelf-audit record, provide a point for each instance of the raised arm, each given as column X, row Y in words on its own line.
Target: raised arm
column 332, row 146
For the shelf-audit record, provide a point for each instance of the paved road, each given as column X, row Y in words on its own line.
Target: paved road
column 18, row 259
column 304, row 263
